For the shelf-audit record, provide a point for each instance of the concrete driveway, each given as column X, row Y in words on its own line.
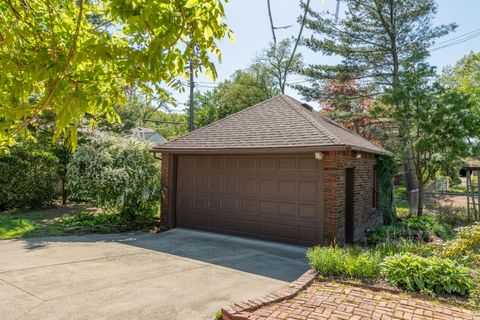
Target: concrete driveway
column 179, row 274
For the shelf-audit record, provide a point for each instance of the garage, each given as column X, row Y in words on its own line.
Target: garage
column 274, row 197
column 278, row 171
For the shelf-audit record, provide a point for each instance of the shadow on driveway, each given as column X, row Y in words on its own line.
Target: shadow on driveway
column 274, row 260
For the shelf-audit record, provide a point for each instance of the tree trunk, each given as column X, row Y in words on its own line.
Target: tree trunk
column 64, row 193
column 421, row 197
column 410, row 171
column 411, row 180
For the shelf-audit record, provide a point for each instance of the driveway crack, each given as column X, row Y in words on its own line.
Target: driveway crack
column 30, row 294
column 72, row 262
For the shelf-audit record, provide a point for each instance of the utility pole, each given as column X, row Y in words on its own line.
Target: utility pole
column 191, row 109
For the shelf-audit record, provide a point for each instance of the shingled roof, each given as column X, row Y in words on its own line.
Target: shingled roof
column 281, row 123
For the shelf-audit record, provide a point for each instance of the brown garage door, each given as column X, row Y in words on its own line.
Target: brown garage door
column 274, row 197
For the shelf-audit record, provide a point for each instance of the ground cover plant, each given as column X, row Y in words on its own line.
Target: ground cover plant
column 421, row 228
column 466, row 245
column 428, row 274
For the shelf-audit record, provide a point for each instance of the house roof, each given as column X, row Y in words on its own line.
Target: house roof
column 147, row 134
column 280, row 123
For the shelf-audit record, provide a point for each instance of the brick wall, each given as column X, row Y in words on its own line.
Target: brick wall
column 335, row 163
column 364, row 215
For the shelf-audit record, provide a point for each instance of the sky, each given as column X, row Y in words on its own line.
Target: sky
column 249, row 22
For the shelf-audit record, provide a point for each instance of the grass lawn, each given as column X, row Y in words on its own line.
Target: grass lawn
column 401, row 201
column 64, row 220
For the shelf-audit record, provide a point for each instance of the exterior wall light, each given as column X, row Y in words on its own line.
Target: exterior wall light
column 319, row 155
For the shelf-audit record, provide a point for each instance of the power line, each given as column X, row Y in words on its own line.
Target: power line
column 457, row 37
column 457, row 40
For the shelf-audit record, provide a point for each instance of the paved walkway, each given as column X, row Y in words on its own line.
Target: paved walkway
column 325, row 300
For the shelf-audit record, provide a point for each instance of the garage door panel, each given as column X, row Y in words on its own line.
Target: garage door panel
column 217, row 163
column 186, row 182
column 308, row 211
column 248, row 227
column 276, row 197
column 287, row 209
column 248, row 185
column 248, row 206
column 267, row 207
column 200, row 202
column 308, row 164
column 308, row 234
column 287, row 231
column 267, row 186
column 199, row 182
column 230, row 204
column 202, row 162
column 267, row 163
column 267, row 229
column 231, row 162
column 287, row 164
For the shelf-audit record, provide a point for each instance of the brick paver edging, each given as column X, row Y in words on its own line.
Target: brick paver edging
column 241, row 310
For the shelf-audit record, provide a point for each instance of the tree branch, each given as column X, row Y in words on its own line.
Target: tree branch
column 287, row 66
column 56, row 82
column 271, row 22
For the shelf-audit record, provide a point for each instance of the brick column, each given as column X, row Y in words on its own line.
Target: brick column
column 334, row 197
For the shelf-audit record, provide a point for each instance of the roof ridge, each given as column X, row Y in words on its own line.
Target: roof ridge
column 313, row 121
column 221, row 120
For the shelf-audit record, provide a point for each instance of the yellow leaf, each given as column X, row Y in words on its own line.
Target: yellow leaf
column 191, row 3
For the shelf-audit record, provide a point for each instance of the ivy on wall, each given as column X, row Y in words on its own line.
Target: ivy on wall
column 386, row 171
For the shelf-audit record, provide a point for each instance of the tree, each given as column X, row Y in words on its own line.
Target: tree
column 81, row 57
column 465, row 76
column 351, row 105
column 382, row 44
column 442, row 129
column 244, row 89
column 282, row 56
column 278, row 59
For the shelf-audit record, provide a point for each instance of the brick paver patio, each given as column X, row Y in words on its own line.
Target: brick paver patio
column 328, row 300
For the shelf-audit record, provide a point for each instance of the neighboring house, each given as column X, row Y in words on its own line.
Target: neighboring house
column 148, row 135
column 278, row 171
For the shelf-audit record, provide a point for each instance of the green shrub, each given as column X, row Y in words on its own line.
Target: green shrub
column 466, row 245
column 336, row 261
column 28, row 177
column 118, row 174
column 433, row 274
column 364, row 265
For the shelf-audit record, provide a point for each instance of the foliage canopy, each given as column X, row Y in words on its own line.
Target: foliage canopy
column 78, row 58
column 244, row 89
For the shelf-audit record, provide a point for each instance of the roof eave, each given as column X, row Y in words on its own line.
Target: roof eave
column 258, row 150
column 382, row 152
column 265, row 150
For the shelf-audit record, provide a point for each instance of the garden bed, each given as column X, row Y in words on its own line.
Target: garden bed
column 420, row 255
